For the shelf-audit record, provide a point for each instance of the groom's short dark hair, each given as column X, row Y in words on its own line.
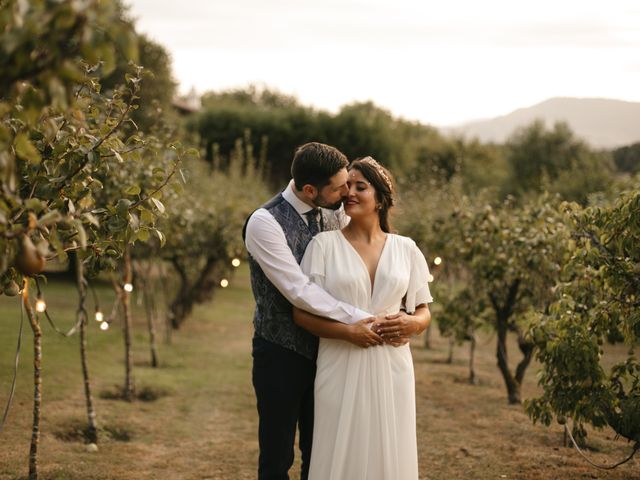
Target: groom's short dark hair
column 315, row 163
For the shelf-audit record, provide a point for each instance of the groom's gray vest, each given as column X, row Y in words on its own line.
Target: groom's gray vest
column 273, row 319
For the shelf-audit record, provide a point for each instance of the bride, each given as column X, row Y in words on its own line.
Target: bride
column 365, row 419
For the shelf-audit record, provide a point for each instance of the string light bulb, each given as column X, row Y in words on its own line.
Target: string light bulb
column 41, row 306
column 430, row 278
column 235, row 262
column 224, row 283
column 99, row 316
column 128, row 287
column 437, row 260
column 104, row 326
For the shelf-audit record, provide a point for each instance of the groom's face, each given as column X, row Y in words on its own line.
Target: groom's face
column 331, row 195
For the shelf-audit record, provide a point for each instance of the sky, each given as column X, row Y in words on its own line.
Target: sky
column 441, row 62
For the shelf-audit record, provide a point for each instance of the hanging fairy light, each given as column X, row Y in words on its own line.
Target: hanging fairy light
column 41, row 306
column 104, row 326
column 224, row 283
column 99, row 316
column 128, row 287
column 430, row 278
column 437, row 261
column 235, row 262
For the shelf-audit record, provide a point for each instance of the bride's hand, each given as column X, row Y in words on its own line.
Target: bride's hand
column 396, row 328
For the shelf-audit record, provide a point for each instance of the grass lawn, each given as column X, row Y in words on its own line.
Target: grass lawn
column 204, row 423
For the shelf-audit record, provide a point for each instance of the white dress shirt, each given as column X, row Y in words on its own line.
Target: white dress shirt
column 266, row 242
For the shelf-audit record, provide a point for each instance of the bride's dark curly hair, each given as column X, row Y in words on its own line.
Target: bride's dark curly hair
column 382, row 180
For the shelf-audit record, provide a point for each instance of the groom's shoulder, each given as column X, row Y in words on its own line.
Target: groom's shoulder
column 260, row 221
column 263, row 212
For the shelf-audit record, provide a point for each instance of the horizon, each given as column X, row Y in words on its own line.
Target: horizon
column 442, row 65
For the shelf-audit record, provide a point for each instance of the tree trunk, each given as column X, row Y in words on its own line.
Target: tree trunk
column 168, row 326
column 527, row 349
column 427, row 338
column 451, row 344
column 92, row 429
column 181, row 304
column 472, row 354
column 149, row 308
column 513, row 387
column 129, row 389
column 37, row 382
column 198, row 292
column 503, row 314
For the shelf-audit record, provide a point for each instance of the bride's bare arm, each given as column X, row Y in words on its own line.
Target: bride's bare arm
column 357, row 333
column 404, row 325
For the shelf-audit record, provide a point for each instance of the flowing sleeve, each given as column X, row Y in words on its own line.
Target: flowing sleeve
column 418, row 291
column 313, row 261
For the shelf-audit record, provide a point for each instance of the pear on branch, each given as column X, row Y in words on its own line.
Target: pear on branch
column 29, row 260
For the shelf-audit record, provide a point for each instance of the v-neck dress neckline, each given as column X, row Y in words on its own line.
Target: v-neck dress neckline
column 372, row 286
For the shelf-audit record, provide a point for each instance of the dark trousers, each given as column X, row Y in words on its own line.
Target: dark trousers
column 283, row 381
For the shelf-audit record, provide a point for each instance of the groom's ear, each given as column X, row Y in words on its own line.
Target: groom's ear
column 310, row 191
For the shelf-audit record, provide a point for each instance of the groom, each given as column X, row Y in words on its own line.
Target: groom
column 276, row 236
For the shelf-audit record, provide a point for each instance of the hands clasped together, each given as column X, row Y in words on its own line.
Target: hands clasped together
column 395, row 329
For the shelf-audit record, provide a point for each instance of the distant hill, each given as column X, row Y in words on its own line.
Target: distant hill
column 601, row 122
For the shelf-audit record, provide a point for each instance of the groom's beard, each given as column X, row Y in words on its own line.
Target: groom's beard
column 321, row 202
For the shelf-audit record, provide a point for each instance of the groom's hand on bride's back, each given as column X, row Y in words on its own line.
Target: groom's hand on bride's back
column 361, row 334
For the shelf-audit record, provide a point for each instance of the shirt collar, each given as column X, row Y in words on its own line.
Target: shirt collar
column 289, row 195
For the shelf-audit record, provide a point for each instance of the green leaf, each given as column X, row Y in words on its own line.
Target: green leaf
column 108, row 57
column 122, row 207
column 50, row 218
column 91, row 218
column 117, row 155
column 146, row 216
column 159, row 205
column 161, row 236
column 34, row 204
column 82, row 234
column 142, row 234
column 133, row 190
column 26, row 150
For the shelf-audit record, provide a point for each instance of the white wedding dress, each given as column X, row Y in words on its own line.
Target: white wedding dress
column 365, row 415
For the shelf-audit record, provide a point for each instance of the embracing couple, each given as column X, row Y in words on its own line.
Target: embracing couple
column 319, row 270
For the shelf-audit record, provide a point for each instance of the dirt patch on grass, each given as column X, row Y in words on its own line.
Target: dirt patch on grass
column 144, row 394
column 77, row 431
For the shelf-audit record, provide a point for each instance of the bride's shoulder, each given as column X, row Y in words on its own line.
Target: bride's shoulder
column 406, row 245
column 402, row 240
column 326, row 237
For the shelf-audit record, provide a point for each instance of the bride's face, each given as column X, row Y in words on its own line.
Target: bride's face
column 361, row 200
